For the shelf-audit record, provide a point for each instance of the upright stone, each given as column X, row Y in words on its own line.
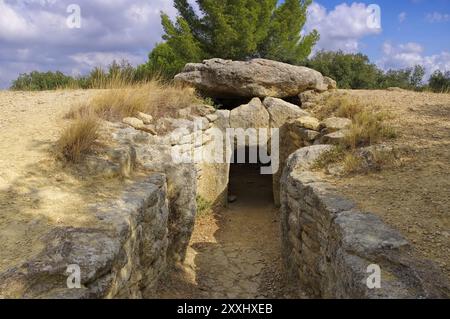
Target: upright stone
column 281, row 111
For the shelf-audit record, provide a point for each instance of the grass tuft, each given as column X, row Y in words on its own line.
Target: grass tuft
column 79, row 138
column 368, row 128
column 340, row 105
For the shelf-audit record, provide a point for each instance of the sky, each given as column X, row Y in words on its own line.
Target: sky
column 45, row 35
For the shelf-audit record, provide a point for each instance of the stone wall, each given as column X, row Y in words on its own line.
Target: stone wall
column 188, row 178
column 328, row 243
column 120, row 260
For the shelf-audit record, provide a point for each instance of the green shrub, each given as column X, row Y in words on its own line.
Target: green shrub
column 40, row 81
column 351, row 71
column 440, row 82
column 355, row 71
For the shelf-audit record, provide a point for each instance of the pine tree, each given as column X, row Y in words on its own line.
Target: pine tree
column 284, row 41
column 234, row 29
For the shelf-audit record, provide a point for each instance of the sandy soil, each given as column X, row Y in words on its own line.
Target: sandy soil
column 36, row 191
column 237, row 252
column 413, row 197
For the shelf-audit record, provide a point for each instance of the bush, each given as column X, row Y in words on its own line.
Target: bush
column 351, row 71
column 117, row 75
column 40, row 81
column 408, row 79
column 440, row 82
column 355, row 71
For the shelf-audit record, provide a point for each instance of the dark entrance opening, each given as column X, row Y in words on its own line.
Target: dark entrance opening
column 248, row 185
column 230, row 104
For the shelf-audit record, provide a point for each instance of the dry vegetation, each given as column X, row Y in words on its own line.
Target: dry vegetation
column 153, row 98
column 369, row 127
column 79, row 138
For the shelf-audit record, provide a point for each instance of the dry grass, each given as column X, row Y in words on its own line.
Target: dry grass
column 369, row 127
column 335, row 155
column 153, row 98
column 351, row 162
column 339, row 105
column 79, row 138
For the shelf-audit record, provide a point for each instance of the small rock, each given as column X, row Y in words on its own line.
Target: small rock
column 310, row 96
column 308, row 135
column 149, row 129
column 395, row 89
column 308, row 105
column 212, row 117
column 139, row 125
column 145, row 118
column 308, row 122
column 332, row 85
column 251, row 115
column 133, row 122
column 334, row 124
column 334, row 138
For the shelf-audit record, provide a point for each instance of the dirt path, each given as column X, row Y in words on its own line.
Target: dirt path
column 237, row 253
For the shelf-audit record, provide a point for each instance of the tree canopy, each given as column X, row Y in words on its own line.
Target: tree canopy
column 355, row 71
column 233, row 29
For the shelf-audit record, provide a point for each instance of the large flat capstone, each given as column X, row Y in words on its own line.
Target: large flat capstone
column 255, row 78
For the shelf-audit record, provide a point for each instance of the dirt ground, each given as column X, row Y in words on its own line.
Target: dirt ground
column 36, row 192
column 414, row 196
column 236, row 253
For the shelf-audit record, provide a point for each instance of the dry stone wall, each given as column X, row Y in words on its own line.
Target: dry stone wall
column 328, row 244
column 146, row 231
column 120, row 260
column 186, row 156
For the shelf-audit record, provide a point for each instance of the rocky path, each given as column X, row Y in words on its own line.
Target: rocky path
column 235, row 254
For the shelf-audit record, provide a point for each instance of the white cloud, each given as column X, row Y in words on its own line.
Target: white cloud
column 13, row 24
column 90, row 60
column 410, row 54
column 34, row 34
column 342, row 28
column 402, row 17
column 437, row 17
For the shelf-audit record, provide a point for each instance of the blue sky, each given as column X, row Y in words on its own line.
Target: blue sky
column 406, row 21
column 34, row 33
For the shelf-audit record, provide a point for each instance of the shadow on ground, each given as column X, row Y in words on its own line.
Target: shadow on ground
column 239, row 255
